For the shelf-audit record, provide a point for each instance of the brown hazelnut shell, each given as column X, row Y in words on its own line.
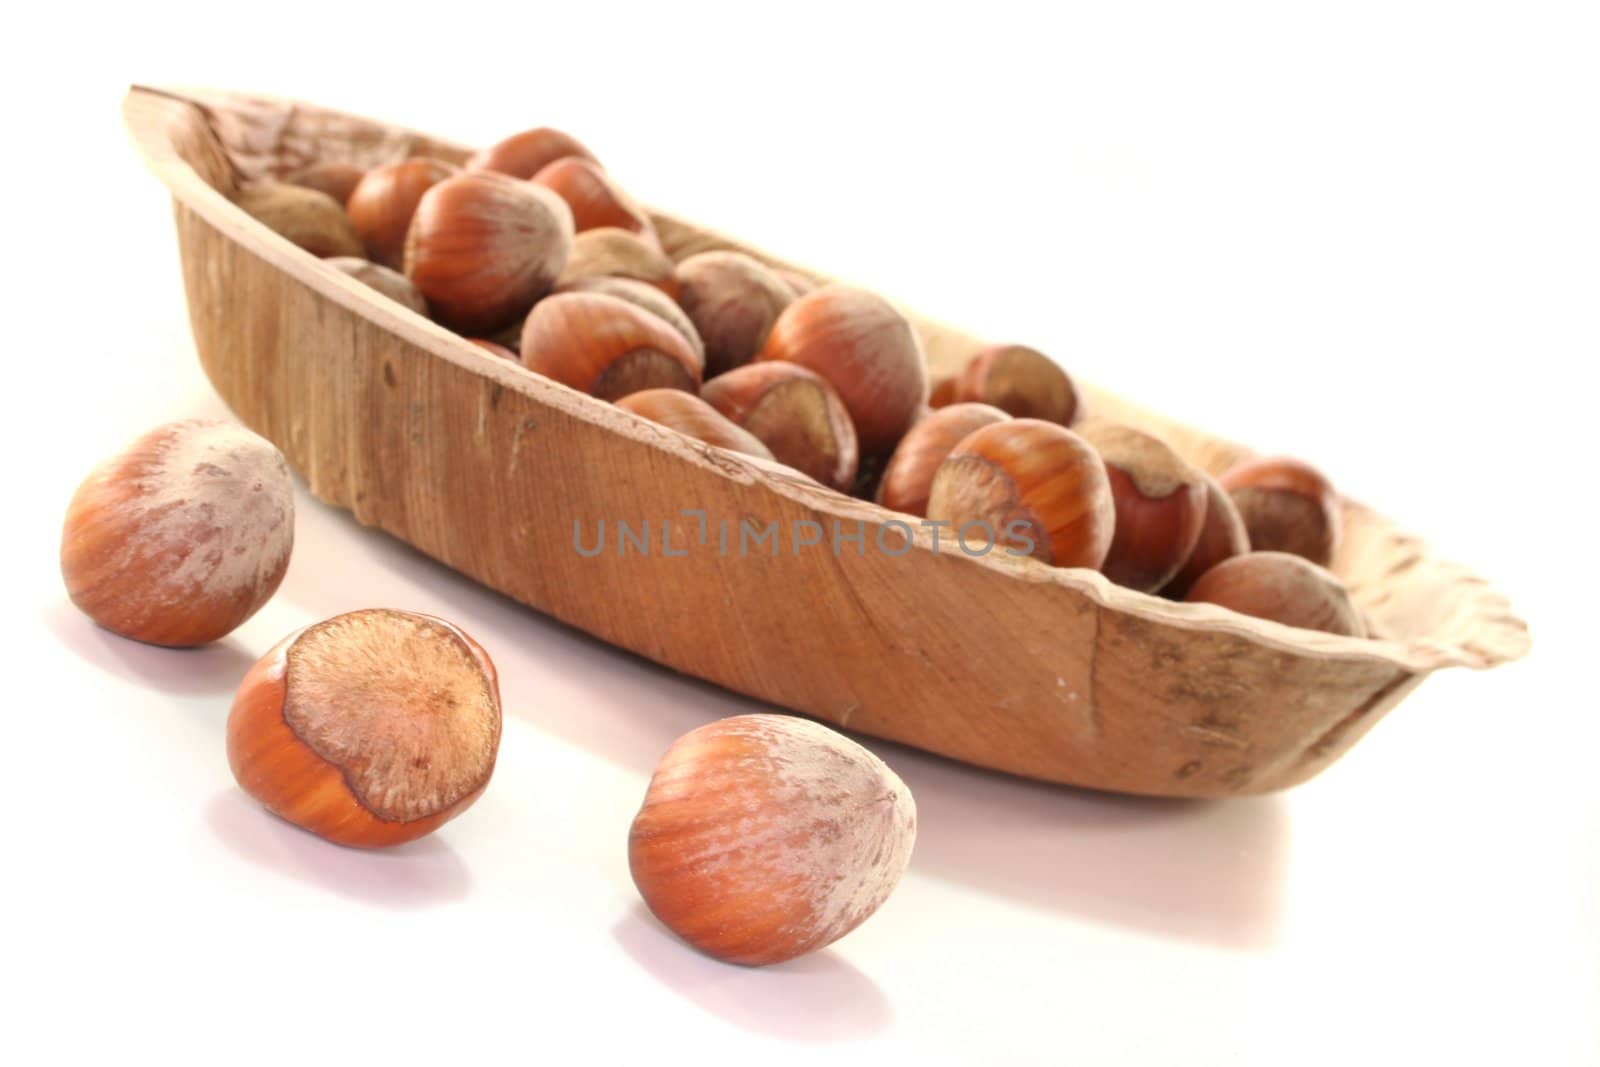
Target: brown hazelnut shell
column 310, row 219
column 908, row 478
column 1035, row 473
column 764, row 837
column 303, row 781
column 1160, row 504
column 594, row 198
column 606, row 347
column 1222, row 536
column 795, row 413
column 524, row 154
column 1283, row 588
column 619, row 253
column 1018, row 380
column 1287, row 506
column 733, row 300
column 483, row 248
column 866, row 350
column 645, row 296
column 383, row 202
column 336, row 179
column 181, row 536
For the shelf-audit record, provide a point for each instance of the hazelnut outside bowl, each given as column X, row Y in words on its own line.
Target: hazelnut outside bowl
column 764, row 837
column 182, row 536
column 369, row 729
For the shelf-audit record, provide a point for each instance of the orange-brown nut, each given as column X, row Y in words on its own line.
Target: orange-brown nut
column 1283, row 588
column 182, row 536
column 943, row 391
column 606, row 347
column 382, row 204
column 522, row 155
column 1018, row 380
column 306, row 217
column 692, row 417
column 336, row 179
column 368, row 729
column 1288, row 506
column 594, row 198
column 1222, row 536
column 391, row 283
column 795, row 413
column 622, row 254
column 908, row 478
column 866, row 350
column 733, row 301
column 645, row 296
column 483, row 247
column 1033, row 486
column 764, row 837
column 1160, row 504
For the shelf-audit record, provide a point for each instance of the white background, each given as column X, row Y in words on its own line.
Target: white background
column 1362, row 232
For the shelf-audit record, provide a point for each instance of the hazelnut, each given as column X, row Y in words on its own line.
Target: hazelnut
column 1287, row 506
column 1283, row 588
column 606, row 347
column 368, row 729
column 645, row 296
column 866, row 350
column 733, row 301
column 338, row 180
column 522, row 155
column 764, row 837
column 795, row 413
column 692, row 417
column 943, row 391
column 909, row 476
column 310, row 219
column 483, row 247
column 182, row 536
column 1019, row 381
column 619, row 253
column 391, row 283
column 1160, row 505
column 1039, row 488
column 1222, row 536
column 594, row 198
column 382, row 204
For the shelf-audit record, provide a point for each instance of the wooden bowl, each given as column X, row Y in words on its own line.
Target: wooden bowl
column 1001, row 662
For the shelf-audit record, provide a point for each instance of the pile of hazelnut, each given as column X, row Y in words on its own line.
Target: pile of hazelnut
column 536, row 254
column 761, row 837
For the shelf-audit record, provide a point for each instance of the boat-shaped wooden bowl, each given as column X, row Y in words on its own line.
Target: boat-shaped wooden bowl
column 1001, row 662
